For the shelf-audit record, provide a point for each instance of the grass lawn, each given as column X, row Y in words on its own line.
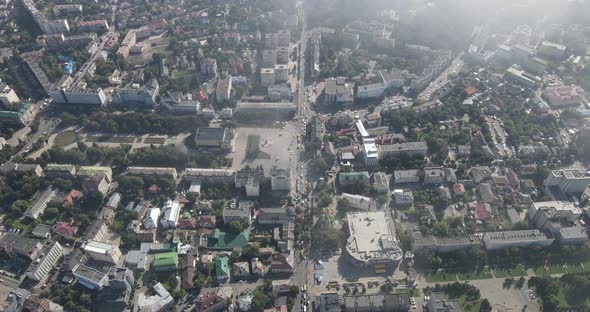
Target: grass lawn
column 110, row 139
column 253, row 148
column 475, row 275
column 469, row 306
column 185, row 73
column 154, row 140
column 65, row 138
column 518, row 271
column 550, row 269
column 440, row 276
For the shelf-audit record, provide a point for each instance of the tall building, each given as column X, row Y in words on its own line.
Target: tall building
column 7, row 95
column 269, row 57
column 568, row 180
column 104, row 252
column 370, row 153
column 413, row 149
column 338, row 91
column 137, row 94
column 209, row 67
column 267, row 77
column 283, row 38
column 281, row 72
column 171, row 214
column 223, row 89
column 49, row 256
column 70, row 91
column 280, row 179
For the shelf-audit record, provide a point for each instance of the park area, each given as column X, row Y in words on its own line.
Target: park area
column 65, row 138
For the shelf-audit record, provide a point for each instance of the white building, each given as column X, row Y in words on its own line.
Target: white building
column 160, row 301
column 372, row 242
column 568, row 180
column 40, row 204
column 137, row 94
column 551, row 49
column 78, row 96
column 509, row 239
column 171, row 214
column 371, row 91
column 152, row 219
column 39, row 269
column 393, row 78
column 370, row 153
column 357, row 201
column 101, row 251
column 552, row 216
column 7, row 95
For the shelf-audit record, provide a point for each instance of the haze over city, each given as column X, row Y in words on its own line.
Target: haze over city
column 280, row 155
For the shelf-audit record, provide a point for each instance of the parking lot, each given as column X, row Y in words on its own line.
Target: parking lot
column 278, row 142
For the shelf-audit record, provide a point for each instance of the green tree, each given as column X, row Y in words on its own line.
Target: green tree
column 131, row 185
column 321, row 165
column 235, row 227
column 485, row 306
column 19, row 207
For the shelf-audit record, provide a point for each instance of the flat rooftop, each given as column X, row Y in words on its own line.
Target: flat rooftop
column 372, row 236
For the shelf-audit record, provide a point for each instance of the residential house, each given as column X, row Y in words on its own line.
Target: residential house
column 222, row 272
column 240, row 270
column 93, row 184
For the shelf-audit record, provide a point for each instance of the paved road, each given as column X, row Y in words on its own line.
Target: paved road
column 301, row 267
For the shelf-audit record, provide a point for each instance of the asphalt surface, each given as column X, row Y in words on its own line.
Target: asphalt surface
column 301, row 266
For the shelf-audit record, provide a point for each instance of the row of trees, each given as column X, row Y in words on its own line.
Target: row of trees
column 167, row 156
column 134, row 123
column 84, row 155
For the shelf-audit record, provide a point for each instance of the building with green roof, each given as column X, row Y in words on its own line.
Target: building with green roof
column 90, row 171
column 60, row 171
column 25, row 115
column 220, row 240
column 165, row 261
column 221, row 269
column 352, row 178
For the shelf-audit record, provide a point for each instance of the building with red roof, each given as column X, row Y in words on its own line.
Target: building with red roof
column 481, row 212
column 207, row 221
column 458, row 189
column 73, row 196
column 470, row 91
column 187, row 224
column 65, row 229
